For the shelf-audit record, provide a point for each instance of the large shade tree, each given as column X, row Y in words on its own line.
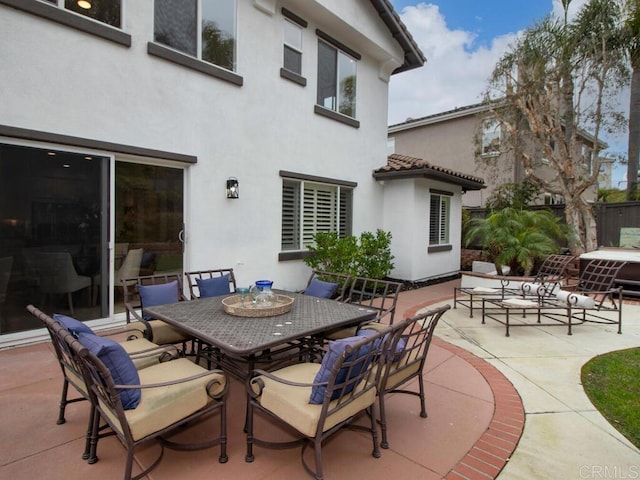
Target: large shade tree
column 557, row 82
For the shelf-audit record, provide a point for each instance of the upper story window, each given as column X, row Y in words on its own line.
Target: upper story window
column 439, row 213
column 105, row 11
column 491, row 136
column 292, row 47
column 336, row 80
column 205, row 29
column 309, row 207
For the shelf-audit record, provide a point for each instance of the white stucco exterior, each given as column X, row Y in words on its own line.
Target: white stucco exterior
column 406, row 215
column 62, row 81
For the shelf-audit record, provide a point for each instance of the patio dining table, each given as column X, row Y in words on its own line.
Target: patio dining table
column 241, row 343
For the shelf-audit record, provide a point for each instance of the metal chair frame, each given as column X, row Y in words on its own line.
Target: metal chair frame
column 107, row 406
column 208, row 274
column 401, row 366
column 361, row 362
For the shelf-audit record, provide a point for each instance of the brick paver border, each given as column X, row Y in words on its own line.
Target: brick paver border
column 493, row 449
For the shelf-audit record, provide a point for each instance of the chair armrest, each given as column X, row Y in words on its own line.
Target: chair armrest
column 256, row 381
column 215, row 381
column 132, row 311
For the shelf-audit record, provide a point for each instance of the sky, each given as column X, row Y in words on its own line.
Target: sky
column 462, row 40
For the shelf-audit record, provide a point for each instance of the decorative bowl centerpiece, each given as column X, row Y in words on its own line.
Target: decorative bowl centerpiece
column 240, row 306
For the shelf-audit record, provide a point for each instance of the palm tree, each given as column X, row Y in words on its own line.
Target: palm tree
column 516, row 237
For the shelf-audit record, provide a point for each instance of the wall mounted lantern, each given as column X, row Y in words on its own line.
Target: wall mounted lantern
column 233, row 188
column 84, row 4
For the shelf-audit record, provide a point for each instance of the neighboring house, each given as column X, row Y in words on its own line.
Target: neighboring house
column 605, row 177
column 423, row 209
column 122, row 126
column 469, row 140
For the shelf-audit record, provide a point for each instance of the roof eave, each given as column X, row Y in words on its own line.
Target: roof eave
column 413, row 56
column 428, row 173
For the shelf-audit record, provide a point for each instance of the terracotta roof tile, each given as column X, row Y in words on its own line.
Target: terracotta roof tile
column 405, row 163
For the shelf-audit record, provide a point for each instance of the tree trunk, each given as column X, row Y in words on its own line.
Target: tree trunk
column 634, row 134
column 579, row 217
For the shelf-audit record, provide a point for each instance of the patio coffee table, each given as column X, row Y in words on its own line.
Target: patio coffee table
column 240, row 343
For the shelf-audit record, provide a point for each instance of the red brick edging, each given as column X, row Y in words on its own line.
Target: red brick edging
column 493, row 449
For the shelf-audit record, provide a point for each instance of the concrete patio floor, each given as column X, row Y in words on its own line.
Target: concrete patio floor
column 476, row 416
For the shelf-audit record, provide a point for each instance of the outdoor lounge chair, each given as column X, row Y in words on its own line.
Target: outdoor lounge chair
column 317, row 400
column 404, row 360
column 150, row 404
column 595, row 298
column 551, row 274
column 142, row 352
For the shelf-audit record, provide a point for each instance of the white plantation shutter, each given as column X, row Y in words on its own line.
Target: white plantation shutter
column 309, row 208
column 439, row 209
column 290, row 215
column 320, row 207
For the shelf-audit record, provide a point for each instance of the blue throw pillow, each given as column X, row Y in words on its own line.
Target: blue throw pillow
column 399, row 350
column 212, row 287
column 75, row 327
column 318, row 288
column 119, row 364
column 336, row 349
column 152, row 295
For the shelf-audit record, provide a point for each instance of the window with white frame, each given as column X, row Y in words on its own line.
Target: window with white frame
column 336, row 79
column 310, row 207
column 105, row 11
column 205, row 29
column 491, row 136
column 292, row 47
column 439, row 214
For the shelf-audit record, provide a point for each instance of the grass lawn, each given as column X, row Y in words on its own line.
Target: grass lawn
column 612, row 383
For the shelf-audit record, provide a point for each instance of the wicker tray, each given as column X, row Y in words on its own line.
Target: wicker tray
column 233, row 306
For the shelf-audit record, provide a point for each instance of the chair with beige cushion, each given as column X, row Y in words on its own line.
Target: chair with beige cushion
column 142, row 352
column 149, row 404
column 210, row 283
column 317, row 400
column 373, row 293
column 148, row 291
column 404, row 360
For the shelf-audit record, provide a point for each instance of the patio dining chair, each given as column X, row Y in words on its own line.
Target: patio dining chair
column 318, row 400
column 142, row 352
column 149, row 291
column 372, row 293
column 210, row 283
column 150, row 404
column 404, row 360
column 328, row 285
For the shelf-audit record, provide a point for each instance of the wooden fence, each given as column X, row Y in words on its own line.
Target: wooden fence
column 610, row 218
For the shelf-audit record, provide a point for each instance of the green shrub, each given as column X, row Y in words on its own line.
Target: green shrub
column 367, row 256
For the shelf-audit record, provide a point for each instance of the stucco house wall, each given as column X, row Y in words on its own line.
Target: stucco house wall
column 71, row 83
column 406, row 214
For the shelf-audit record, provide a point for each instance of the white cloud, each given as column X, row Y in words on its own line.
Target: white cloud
column 457, row 69
column 455, row 74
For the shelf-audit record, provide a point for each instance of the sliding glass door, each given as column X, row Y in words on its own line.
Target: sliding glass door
column 57, row 249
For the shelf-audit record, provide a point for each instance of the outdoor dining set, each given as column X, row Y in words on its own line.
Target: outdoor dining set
column 315, row 361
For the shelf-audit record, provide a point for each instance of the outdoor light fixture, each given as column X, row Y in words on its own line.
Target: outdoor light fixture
column 233, row 188
column 86, row 4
